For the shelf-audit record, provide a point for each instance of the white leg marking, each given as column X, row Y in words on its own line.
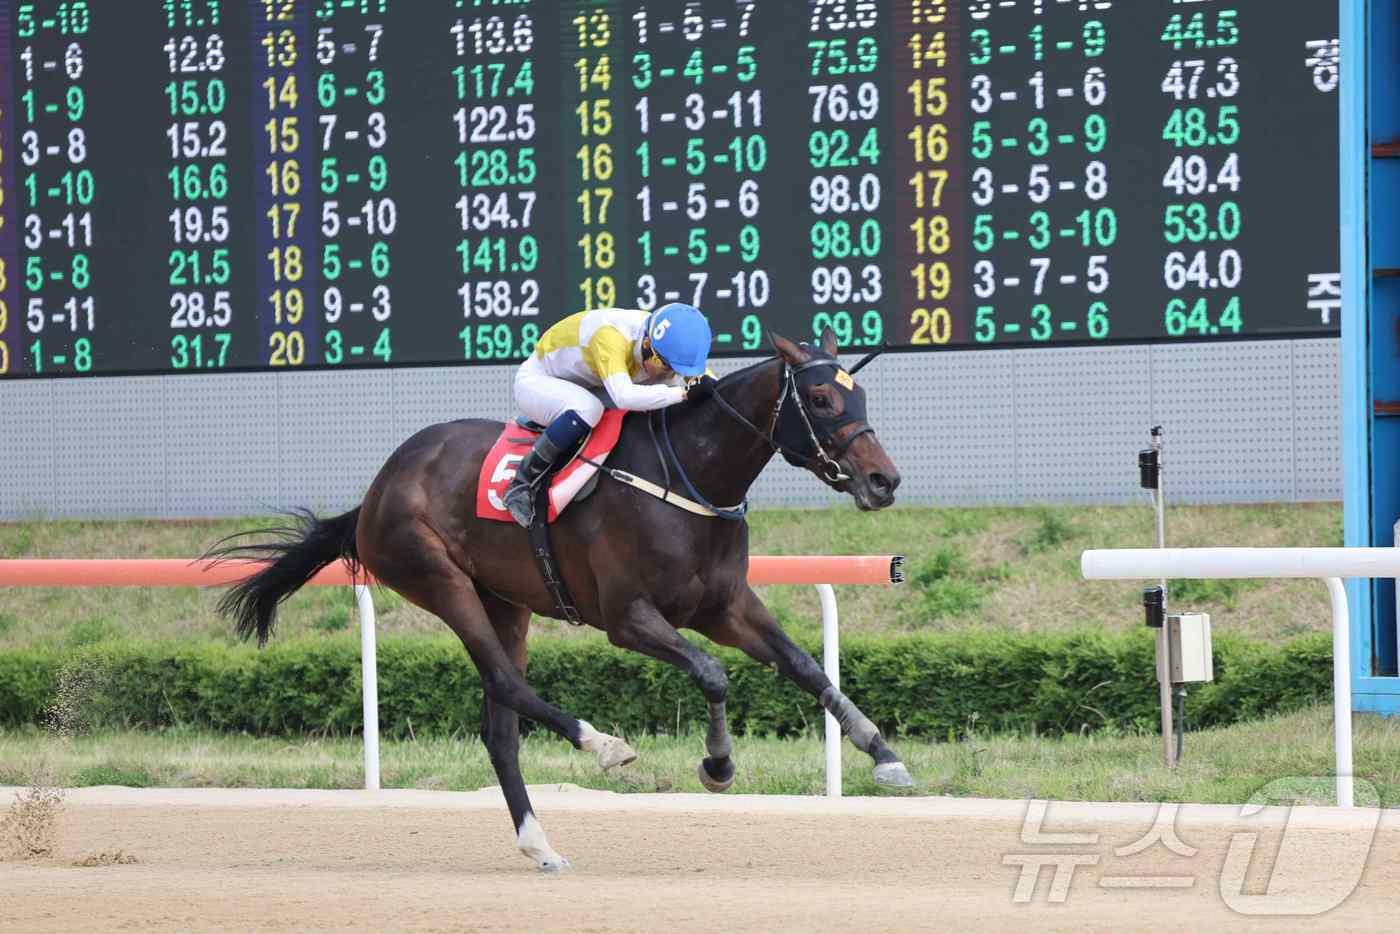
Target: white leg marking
column 588, row 737
column 610, row 750
column 533, row 843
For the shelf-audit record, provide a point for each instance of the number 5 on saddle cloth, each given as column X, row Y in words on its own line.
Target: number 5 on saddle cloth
column 575, row 480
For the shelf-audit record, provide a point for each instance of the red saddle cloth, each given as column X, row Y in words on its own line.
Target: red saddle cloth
column 510, row 449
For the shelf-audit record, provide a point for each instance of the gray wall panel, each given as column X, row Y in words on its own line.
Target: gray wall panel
column 424, row 397
column 1316, row 420
column 109, row 447
column 221, row 445
column 1245, row 422
column 335, row 430
column 26, row 450
column 1227, row 410
column 1081, row 413
column 949, row 422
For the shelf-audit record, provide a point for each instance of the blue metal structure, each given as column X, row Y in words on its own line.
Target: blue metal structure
column 1370, row 243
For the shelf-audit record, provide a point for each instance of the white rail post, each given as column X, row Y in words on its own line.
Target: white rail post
column 1341, row 689
column 831, row 663
column 369, row 680
column 1328, row 565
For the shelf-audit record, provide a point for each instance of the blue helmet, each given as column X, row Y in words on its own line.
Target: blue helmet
column 681, row 335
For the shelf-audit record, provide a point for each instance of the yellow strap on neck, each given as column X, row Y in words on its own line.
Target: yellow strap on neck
column 666, row 496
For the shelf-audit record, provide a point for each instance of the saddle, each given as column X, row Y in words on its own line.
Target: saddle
column 570, row 483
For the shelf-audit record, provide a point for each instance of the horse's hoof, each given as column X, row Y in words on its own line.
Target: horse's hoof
column 613, row 751
column 534, row 845
column 610, row 750
column 553, row 863
column 556, row 864
column 715, row 783
column 893, row 775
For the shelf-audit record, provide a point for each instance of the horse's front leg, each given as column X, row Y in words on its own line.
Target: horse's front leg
column 747, row 625
column 641, row 627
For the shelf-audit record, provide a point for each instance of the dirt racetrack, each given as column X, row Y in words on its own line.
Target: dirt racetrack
column 215, row 860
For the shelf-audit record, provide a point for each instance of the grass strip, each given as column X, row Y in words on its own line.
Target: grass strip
column 1223, row 766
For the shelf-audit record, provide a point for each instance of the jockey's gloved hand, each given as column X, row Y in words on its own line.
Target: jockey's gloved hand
column 702, row 387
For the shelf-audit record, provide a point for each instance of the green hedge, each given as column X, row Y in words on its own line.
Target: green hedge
column 914, row 685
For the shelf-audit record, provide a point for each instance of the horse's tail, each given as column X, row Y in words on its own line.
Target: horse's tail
column 296, row 554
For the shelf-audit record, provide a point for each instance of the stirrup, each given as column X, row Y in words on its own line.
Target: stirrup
column 511, row 503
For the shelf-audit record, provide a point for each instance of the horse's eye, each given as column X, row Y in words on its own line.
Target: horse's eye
column 819, row 402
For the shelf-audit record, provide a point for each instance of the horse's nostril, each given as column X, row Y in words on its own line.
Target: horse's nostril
column 880, row 483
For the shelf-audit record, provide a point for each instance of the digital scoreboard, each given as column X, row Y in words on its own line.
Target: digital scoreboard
column 214, row 185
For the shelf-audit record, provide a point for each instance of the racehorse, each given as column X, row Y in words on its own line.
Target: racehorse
column 638, row 568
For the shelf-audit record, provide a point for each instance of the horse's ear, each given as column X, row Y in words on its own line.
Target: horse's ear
column 829, row 341
column 786, row 349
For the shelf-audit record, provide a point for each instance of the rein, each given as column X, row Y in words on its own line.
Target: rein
column 732, row 513
column 825, row 464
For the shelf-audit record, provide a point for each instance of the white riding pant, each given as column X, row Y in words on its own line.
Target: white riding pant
column 543, row 397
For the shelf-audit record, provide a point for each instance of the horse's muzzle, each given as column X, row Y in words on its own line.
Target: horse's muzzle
column 882, row 488
column 873, row 490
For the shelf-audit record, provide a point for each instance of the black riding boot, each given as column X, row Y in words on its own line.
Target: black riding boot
column 537, row 465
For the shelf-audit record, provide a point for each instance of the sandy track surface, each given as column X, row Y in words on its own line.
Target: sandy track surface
column 220, row 860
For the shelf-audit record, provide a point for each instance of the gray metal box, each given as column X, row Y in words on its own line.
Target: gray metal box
column 1188, row 635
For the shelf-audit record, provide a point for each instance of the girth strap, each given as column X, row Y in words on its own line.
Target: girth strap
column 544, row 557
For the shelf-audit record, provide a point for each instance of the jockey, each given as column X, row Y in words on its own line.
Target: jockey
column 642, row 359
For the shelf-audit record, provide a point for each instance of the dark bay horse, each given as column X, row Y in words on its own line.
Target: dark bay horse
column 638, row 568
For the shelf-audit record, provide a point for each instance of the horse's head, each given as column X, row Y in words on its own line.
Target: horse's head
column 821, row 419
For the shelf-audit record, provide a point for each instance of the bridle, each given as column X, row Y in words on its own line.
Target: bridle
column 825, row 463
column 816, row 456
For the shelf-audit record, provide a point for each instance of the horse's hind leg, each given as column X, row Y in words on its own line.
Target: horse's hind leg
column 448, row 593
column 452, row 596
column 500, row 732
column 750, row 627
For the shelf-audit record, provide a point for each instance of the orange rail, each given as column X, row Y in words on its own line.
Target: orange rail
column 826, row 569
column 177, row 572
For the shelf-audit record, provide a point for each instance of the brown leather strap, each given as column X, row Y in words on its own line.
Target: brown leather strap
column 544, row 557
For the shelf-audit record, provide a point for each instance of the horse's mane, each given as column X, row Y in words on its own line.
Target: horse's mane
column 727, row 380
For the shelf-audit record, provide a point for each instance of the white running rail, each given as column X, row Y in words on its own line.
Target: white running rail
column 1329, row 565
column 831, row 659
column 821, row 571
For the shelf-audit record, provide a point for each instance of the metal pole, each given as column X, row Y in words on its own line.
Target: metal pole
column 1341, row 690
column 369, row 681
column 831, row 662
column 1164, row 668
